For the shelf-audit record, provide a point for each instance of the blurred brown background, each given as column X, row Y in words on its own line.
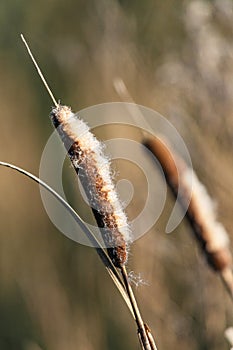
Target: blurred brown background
column 175, row 57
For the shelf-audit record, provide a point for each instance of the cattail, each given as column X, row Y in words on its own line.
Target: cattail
column 201, row 215
column 93, row 167
column 211, row 235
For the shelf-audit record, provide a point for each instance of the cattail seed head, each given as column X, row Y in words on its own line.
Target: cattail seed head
column 201, row 213
column 92, row 166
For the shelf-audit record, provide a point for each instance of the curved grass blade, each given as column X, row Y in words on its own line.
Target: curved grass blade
column 100, row 250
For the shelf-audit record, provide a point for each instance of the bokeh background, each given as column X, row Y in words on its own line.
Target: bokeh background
column 175, row 57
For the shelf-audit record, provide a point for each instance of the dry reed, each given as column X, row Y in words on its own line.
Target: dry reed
column 210, row 234
column 93, row 169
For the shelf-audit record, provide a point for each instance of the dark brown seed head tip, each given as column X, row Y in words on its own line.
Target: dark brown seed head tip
column 220, row 259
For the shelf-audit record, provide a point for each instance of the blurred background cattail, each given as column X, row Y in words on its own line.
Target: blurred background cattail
column 176, row 59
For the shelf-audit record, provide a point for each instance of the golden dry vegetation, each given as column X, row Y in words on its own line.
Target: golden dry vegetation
column 176, row 58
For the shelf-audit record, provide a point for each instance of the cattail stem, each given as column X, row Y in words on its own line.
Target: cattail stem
column 150, row 337
column 143, row 336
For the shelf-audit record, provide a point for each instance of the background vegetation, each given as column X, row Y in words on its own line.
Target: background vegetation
column 175, row 57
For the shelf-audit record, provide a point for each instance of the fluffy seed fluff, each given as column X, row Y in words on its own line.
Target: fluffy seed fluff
column 202, row 213
column 94, row 171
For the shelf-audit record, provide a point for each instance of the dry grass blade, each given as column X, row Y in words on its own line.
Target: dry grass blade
column 101, row 252
column 125, row 96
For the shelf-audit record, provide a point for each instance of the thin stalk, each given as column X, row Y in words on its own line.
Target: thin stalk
column 138, row 318
column 150, row 337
